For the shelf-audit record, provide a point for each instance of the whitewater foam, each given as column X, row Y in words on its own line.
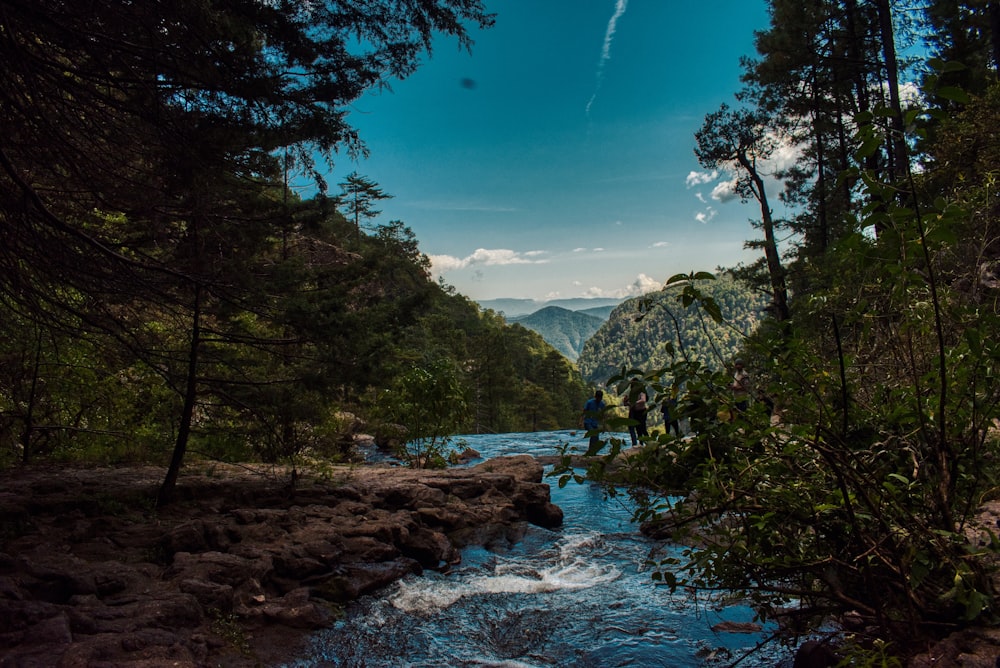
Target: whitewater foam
column 570, row 566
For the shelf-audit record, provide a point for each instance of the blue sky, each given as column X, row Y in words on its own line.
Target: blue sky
column 556, row 160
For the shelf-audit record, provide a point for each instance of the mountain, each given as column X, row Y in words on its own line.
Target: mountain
column 563, row 329
column 512, row 308
column 636, row 332
column 602, row 312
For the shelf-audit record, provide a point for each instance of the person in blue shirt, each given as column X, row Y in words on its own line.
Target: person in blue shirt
column 592, row 413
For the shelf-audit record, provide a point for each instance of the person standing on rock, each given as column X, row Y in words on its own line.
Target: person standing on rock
column 593, row 411
column 669, row 410
column 635, row 399
column 740, row 387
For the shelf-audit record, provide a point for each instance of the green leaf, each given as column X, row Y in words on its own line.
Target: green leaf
column 973, row 338
column 954, row 94
column 677, row 278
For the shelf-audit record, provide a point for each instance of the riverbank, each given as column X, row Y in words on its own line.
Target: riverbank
column 243, row 567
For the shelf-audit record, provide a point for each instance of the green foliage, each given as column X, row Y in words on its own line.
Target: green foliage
column 567, row 331
column 228, row 627
column 430, row 403
column 647, row 332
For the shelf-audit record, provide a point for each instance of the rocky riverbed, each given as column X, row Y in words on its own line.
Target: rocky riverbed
column 242, row 567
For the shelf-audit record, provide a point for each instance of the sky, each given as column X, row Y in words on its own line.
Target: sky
column 557, row 159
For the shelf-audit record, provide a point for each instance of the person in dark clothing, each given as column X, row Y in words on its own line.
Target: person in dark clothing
column 592, row 413
column 635, row 399
column 669, row 410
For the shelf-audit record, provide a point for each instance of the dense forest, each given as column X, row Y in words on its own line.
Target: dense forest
column 843, row 500
column 567, row 331
column 646, row 332
column 165, row 293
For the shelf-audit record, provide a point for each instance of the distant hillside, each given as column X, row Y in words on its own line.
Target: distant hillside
column 564, row 330
column 602, row 312
column 627, row 340
column 513, row 308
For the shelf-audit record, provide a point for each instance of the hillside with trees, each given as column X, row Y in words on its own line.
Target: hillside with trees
column 566, row 331
column 642, row 331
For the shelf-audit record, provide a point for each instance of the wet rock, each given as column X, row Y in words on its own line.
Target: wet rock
column 971, row 648
column 431, row 549
column 102, row 582
column 736, row 627
column 816, row 654
column 359, row 579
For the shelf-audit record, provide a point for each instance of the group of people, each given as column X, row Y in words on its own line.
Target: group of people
column 636, row 400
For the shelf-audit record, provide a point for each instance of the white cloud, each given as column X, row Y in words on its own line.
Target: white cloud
column 700, row 178
column 725, row 191
column 487, row 258
column 445, row 263
column 640, row 286
column 661, row 244
column 706, row 215
column 909, row 94
column 785, row 155
column 579, row 250
column 609, row 35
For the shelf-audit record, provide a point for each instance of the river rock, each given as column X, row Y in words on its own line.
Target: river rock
column 90, row 574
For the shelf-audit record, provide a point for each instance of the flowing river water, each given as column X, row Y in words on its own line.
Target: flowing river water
column 580, row 595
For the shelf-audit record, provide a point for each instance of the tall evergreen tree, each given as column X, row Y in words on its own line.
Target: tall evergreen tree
column 966, row 32
column 358, row 197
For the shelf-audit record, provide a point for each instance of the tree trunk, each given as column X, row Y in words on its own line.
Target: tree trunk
column 774, row 268
column 897, row 145
column 994, row 9
column 29, row 414
column 187, row 412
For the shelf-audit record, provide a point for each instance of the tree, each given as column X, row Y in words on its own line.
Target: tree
column 862, row 497
column 822, row 64
column 741, row 140
column 966, row 32
column 358, row 196
column 429, row 401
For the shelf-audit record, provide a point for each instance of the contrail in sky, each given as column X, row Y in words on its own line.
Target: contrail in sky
column 620, row 7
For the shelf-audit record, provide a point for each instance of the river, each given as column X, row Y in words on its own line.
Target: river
column 580, row 595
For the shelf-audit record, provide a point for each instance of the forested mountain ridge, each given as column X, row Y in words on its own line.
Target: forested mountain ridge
column 635, row 333
column 566, row 331
column 513, row 308
column 602, row 312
